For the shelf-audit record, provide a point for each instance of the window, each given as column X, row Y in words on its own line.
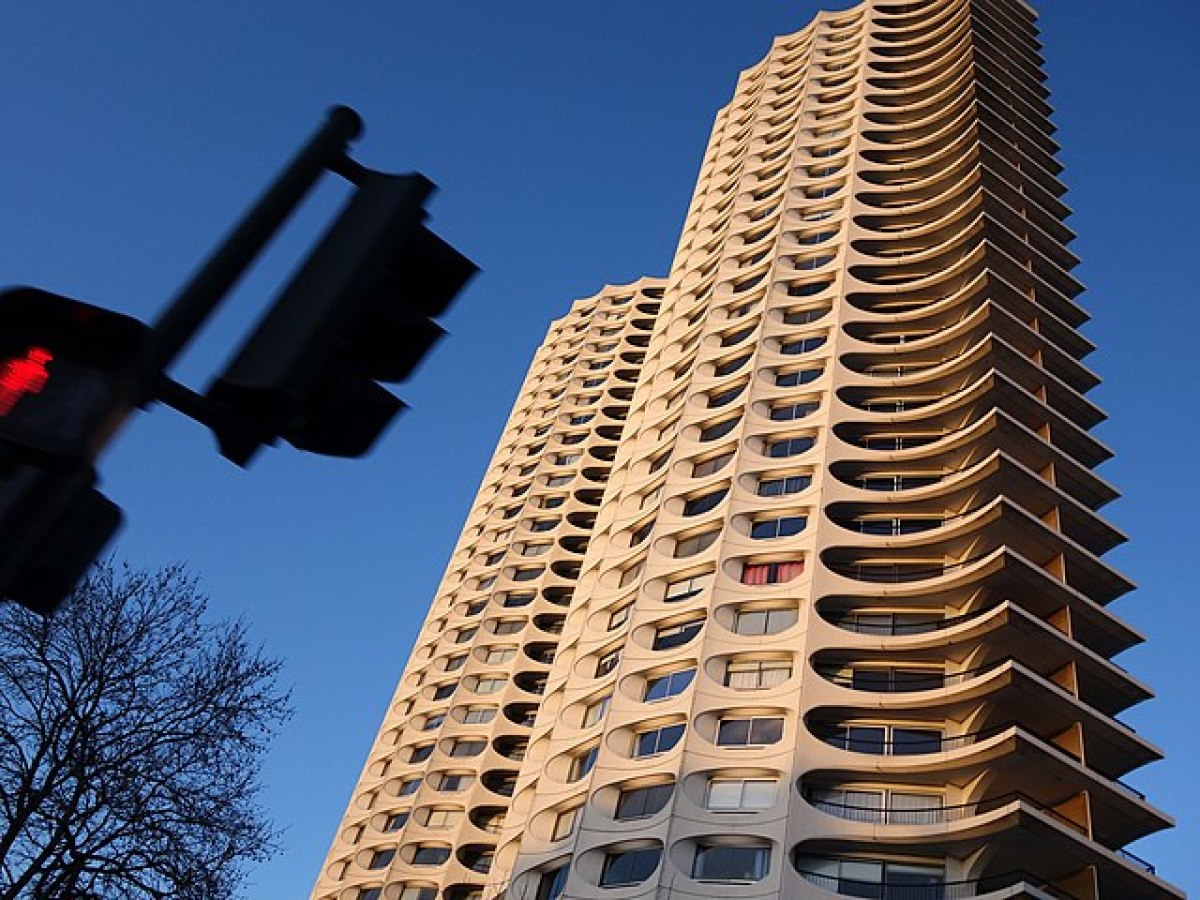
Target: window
column 757, row 674
column 629, row 867
column 736, row 337
column 489, row 684
column 772, row 573
column 803, row 345
column 582, row 763
column 595, row 711
column 475, row 608
column 732, row 365
column 886, row 740
column 866, row 878
column 619, row 617
column 894, row 679
column 740, row 794
column 785, row 526
column 454, row 662
column 442, row 818
column 793, row 446
column 465, row 747
column 703, row 504
column 731, row 863
column 453, row 782
column 749, row 731
column 790, row 484
column 724, row 397
column 433, row 722
column 892, row 807
column 499, row 654
column 543, row 524
column 657, row 740
column 464, row 635
column 661, row 687
column 804, row 317
column 409, row 786
column 697, row 543
column 442, row 691
column 553, row 884
column 687, row 588
column 717, row 430
column 607, row 662
column 381, row 859
column 564, row 823
column 637, row 803
column 395, row 821
column 511, row 601
column 711, row 465
column 506, row 626
column 420, row 754
column 371, row 893
column 791, row 411
column 795, row 379
column 526, row 574
column 676, row 635
column 640, row 535
column 479, row 715
column 558, row 480
column 430, row 855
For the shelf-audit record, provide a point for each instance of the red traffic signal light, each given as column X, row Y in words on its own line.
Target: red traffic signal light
column 66, row 371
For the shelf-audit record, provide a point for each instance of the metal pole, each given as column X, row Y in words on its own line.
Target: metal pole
column 207, row 288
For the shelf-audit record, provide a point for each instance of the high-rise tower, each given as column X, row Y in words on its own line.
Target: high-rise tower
column 785, row 580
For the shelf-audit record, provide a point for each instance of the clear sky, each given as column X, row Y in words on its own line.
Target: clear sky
column 565, row 137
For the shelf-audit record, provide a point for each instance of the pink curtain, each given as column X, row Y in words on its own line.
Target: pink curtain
column 755, row 573
column 789, row 570
column 772, row 573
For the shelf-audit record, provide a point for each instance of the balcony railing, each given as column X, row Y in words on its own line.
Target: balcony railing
column 893, row 624
column 900, row 681
column 890, row 573
column 1136, row 860
column 923, row 740
column 947, row 890
column 937, row 815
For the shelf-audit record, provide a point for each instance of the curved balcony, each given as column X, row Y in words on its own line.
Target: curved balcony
column 1011, row 884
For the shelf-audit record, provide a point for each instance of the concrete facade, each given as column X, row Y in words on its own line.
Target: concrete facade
column 786, row 578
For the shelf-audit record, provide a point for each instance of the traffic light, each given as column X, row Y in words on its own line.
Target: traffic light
column 67, row 380
column 357, row 312
column 53, row 525
column 67, row 374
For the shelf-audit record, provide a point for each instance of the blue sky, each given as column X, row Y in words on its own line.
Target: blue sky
column 565, row 138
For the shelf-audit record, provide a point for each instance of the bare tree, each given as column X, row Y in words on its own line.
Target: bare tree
column 131, row 739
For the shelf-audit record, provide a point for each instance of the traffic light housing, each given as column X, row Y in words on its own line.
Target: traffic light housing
column 357, row 312
column 53, row 526
column 67, row 376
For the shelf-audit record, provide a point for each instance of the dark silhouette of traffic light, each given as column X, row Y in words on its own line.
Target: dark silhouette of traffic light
column 68, row 377
column 53, row 525
column 357, row 312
